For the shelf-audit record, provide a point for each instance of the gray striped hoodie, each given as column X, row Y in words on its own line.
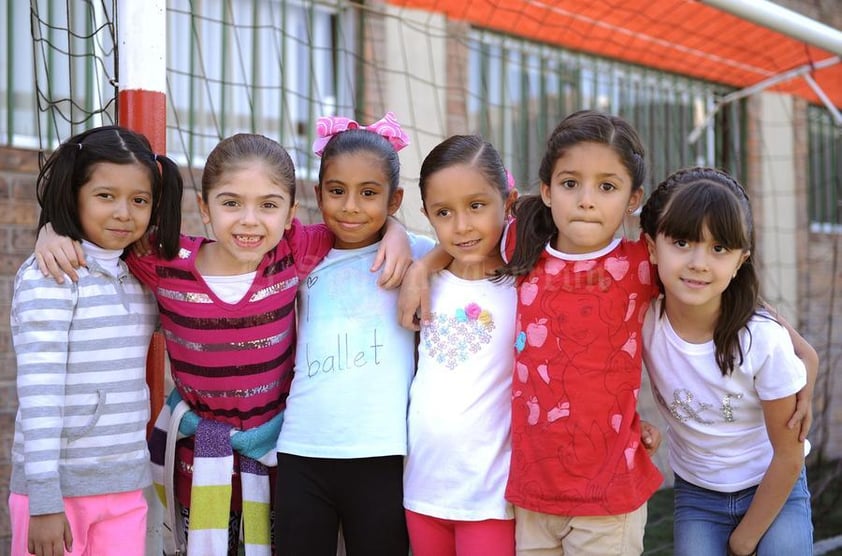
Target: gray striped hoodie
column 81, row 350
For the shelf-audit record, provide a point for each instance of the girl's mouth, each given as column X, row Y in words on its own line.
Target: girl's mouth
column 248, row 240
column 467, row 244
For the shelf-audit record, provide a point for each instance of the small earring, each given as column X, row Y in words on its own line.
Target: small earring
column 630, row 210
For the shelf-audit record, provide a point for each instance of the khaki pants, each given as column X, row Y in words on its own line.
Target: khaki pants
column 540, row 534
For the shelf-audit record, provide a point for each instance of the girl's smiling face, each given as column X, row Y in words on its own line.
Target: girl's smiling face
column 115, row 204
column 694, row 273
column 248, row 213
column 468, row 215
column 355, row 200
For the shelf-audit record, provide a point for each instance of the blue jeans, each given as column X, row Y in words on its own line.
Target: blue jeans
column 705, row 519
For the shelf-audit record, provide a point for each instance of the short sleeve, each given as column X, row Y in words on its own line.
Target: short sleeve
column 308, row 244
column 420, row 245
column 778, row 371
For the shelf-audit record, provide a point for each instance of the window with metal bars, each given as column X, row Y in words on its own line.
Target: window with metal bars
column 824, row 171
column 261, row 66
column 519, row 90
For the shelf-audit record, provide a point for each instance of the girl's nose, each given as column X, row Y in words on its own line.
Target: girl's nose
column 248, row 215
column 463, row 222
column 698, row 259
column 121, row 210
column 586, row 198
column 350, row 204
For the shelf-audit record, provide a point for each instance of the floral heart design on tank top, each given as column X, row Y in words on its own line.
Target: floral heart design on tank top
column 451, row 338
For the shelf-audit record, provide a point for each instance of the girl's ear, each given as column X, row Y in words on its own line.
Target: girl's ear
column 545, row 193
column 395, row 200
column 317, row 189
column 203, row 209
column 291, row 216
column 743, row 258
column 635, row 199
column 650, row 245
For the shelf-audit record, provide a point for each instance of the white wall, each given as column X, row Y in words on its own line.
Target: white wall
column 774, row 201
column 416, row 69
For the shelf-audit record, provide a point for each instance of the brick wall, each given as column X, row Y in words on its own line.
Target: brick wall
column 820, row 274
column 18, row 218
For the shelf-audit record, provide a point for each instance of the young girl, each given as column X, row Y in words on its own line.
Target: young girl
column 227, row 311
column 580, row 476
column 724, row 376
column 459, row 412
column 79, row 459
column 341, row 448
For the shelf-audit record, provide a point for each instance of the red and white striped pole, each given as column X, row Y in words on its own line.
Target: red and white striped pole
column 142, row 107
column 142, row 48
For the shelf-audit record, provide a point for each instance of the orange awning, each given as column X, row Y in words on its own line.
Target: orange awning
column 680, row 36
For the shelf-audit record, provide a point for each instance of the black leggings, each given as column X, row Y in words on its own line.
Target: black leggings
column 314, row 496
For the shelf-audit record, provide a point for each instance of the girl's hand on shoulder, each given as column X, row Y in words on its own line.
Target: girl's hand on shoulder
column 49, row 535
column 58, row 255
column 650, row 436
column 803, row 416
column 394, row 255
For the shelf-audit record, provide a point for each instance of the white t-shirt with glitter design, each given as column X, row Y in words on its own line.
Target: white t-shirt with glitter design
column 460, row 402
column 716, row 431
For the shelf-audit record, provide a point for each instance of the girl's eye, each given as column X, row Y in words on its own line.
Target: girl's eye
column 269, row 205
column 477, row 205
column 607, row 186
column 442, row 213
column 336, row 191
column 720, row 249
column 680, row 242
column 568, row 184
column 105, row 195
column 368, row 193
column 141, row 200
column 229, row 203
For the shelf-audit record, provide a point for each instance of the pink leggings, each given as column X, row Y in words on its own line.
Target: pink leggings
column 431, row 536
column 103, row 525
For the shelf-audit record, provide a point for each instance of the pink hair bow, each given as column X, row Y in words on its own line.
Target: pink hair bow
column 388, row 127
column 510, row 181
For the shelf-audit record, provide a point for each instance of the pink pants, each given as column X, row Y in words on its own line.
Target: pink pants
column 431, row 536
column 103, row 525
